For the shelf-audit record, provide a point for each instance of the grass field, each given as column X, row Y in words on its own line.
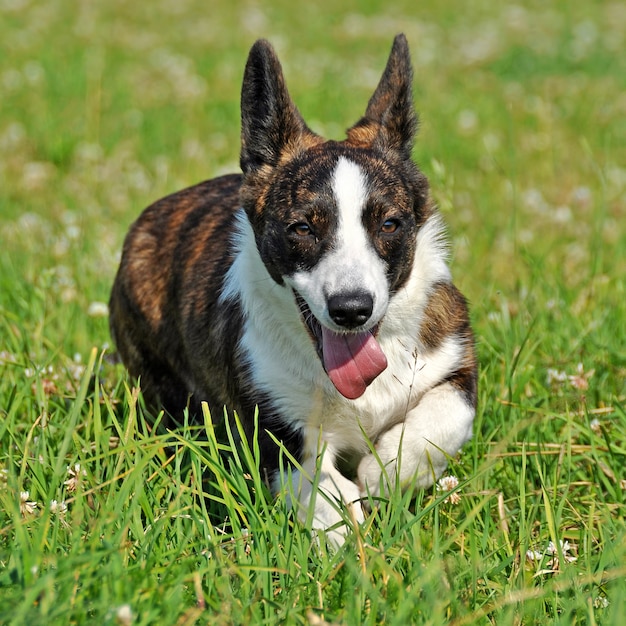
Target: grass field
column 106, row 106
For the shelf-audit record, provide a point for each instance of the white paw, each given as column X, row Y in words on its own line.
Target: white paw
column 334, row 507
column 343, row 523
column 411, row 461
column 372, row 479
column 415, row 453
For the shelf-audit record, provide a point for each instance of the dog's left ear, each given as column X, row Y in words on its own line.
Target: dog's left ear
column 270, row 122
column 390, row 121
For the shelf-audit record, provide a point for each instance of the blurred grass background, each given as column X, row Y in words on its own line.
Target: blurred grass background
column 107, row 106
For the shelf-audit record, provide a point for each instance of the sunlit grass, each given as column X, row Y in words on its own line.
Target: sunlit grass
column 107, row 106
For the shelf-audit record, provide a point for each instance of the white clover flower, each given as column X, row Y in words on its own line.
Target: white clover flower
column 75, row 476
column 7, row 357
column 124, row 615
column 448, row 483
column 76, row 371
column 98, row 309
column 555, row 376
column 552, row 553
column 580, row 380
column 58, row 508
column 467, row 121
column 534, row 555
column 534, row 201
column 27, row 507
column 601, row 602
column 565, row 549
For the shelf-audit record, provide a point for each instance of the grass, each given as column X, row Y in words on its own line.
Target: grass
column 107, row 106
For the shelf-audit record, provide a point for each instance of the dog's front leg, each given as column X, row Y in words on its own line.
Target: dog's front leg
column 416, row 451
column 324, row 497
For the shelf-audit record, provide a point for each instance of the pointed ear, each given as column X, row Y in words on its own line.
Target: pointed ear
column 270, row 121
column 390, row 121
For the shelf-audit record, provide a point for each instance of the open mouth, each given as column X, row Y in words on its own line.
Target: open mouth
column 352, row 360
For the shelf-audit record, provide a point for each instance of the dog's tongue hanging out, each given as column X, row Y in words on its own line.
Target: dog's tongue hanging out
column 352, row 361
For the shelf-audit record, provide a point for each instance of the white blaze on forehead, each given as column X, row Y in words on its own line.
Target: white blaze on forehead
column 350, row 188
column 355, row 264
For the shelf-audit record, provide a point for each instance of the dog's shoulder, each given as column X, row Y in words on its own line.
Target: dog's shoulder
column 170, row 245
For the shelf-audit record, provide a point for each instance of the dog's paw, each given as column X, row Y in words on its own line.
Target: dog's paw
column 372, row 479
column 334, row 506
column 403, row 458
column 344, row 524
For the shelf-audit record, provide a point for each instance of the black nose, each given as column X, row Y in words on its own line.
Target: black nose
column 351, row 310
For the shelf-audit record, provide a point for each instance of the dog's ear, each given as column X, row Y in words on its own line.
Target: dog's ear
column 390, row 121
column 270, row 122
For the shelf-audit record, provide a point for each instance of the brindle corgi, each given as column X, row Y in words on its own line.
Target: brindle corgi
column 313, row 286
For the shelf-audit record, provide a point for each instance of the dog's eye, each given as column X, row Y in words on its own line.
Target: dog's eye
column 302, row 229
column 389, row 226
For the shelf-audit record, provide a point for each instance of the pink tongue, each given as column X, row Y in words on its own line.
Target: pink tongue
column 352, row 361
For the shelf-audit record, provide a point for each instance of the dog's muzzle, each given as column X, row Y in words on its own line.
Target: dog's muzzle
column 352, row 359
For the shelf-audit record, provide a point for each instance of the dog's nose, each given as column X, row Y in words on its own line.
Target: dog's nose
column 350, row 310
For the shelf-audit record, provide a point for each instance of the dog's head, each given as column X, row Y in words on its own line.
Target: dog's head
column 335, row 221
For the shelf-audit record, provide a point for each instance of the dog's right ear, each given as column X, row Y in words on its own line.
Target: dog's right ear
column 271, row 125
column 390, row 121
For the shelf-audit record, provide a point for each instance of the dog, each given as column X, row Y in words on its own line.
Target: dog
column 313, row 288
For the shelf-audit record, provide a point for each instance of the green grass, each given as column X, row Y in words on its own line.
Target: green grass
column 107, row 106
